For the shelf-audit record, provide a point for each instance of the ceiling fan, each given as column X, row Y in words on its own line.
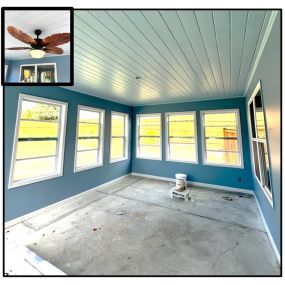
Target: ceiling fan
column 38, row 47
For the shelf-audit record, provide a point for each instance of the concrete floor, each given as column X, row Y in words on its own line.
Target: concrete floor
column 133, row 227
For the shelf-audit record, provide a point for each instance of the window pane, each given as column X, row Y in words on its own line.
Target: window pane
column 186, row 152
column 179, row 118
column 265, row 164
column 149, row 120
column 222, row 144
column 149, row 131
column 85, row 144
column 149, row 141
column 117, row 148
column 89, row 116
column 226, row 158
column 33, row 129
column 88, row 130
column 118, row 125
column 28, row 149
column 86, row 158
column 255, row 156
column 259, row 115
column 33, row 168
column 252, row 120
column 149, row 151
column 221, row 119
column 182, row 129
column 221, row 132
column 39, row 111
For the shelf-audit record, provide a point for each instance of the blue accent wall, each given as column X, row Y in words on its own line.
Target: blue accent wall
column 225, row 176
column 24, row 199
column 62, row 64
column 268, row 72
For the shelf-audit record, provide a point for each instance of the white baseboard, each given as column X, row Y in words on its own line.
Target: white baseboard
column 59, row 203
column 276, row 252
column 198, row 184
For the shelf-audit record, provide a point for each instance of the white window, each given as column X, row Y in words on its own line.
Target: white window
column 119, row 137
column 39, row 140
column 149, row 136
column 259, row 142
column 221, row 138
column 89, row 142
column 181, row 144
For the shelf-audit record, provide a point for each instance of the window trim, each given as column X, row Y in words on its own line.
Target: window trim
column 239, row 137
column 148, row 115
column 126, row 131
column 195, row 137
column 60, row 145
column 268, row 194
column 36, row 71
column 101, row 138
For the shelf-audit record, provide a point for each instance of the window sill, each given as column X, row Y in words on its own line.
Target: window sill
column 118, row 160
column 182, row 161
column 223, row 165
column 87, row 167
column 266, row 192
column 148, row 158
column 31, row 181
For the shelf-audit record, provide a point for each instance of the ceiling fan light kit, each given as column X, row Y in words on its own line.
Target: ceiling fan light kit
column 37, row 53
column 39, row 47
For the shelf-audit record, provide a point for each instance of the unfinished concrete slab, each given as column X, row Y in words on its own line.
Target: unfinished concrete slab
column 139, row 230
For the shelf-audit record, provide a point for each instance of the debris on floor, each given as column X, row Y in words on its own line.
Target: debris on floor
column 120, row 213
column 95, row 229
column 227, row 198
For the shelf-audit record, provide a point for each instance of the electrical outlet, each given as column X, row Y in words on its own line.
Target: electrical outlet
column 239, row 179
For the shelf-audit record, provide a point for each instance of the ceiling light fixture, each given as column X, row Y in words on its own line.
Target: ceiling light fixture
column 37, row 53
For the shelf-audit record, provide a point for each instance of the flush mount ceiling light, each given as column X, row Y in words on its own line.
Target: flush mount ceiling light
column 39, row 47
column 37, row 53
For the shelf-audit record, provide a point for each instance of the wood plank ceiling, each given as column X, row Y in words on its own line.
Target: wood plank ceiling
column 50, row 22
column 178, row 55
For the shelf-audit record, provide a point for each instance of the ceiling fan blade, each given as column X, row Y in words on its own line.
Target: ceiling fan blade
column 18, row 48
column 56, row 39
column 21, row 36
column 53, row 50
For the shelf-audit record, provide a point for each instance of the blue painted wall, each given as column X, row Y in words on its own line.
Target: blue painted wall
column 225, row 176
column 268, row 72
column 62, row 64
column 22, row 200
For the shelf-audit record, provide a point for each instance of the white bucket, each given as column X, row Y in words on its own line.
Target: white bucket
column 181, row 181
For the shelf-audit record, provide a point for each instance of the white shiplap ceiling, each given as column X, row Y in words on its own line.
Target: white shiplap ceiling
column 49, row 21
column 179, row 55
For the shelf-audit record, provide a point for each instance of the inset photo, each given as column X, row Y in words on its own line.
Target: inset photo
column 38, row 46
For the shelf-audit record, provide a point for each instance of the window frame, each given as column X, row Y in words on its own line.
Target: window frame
column 36, row 71
column 101, row 138
column 126, row 137
column 239, row 137
column 167, row 144
column 268, row 194
column 137, row 135
column 60, row 145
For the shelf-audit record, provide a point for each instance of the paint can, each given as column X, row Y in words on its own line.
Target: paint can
column 181, row 182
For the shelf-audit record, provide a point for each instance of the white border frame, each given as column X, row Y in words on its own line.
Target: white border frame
column 36, row 71
column 61, row 144
column 101, row 138
column 167, row 158
column 6, row 71
column 239, row 137
column 126, row 131
column 149, row 115
column 265, row 190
